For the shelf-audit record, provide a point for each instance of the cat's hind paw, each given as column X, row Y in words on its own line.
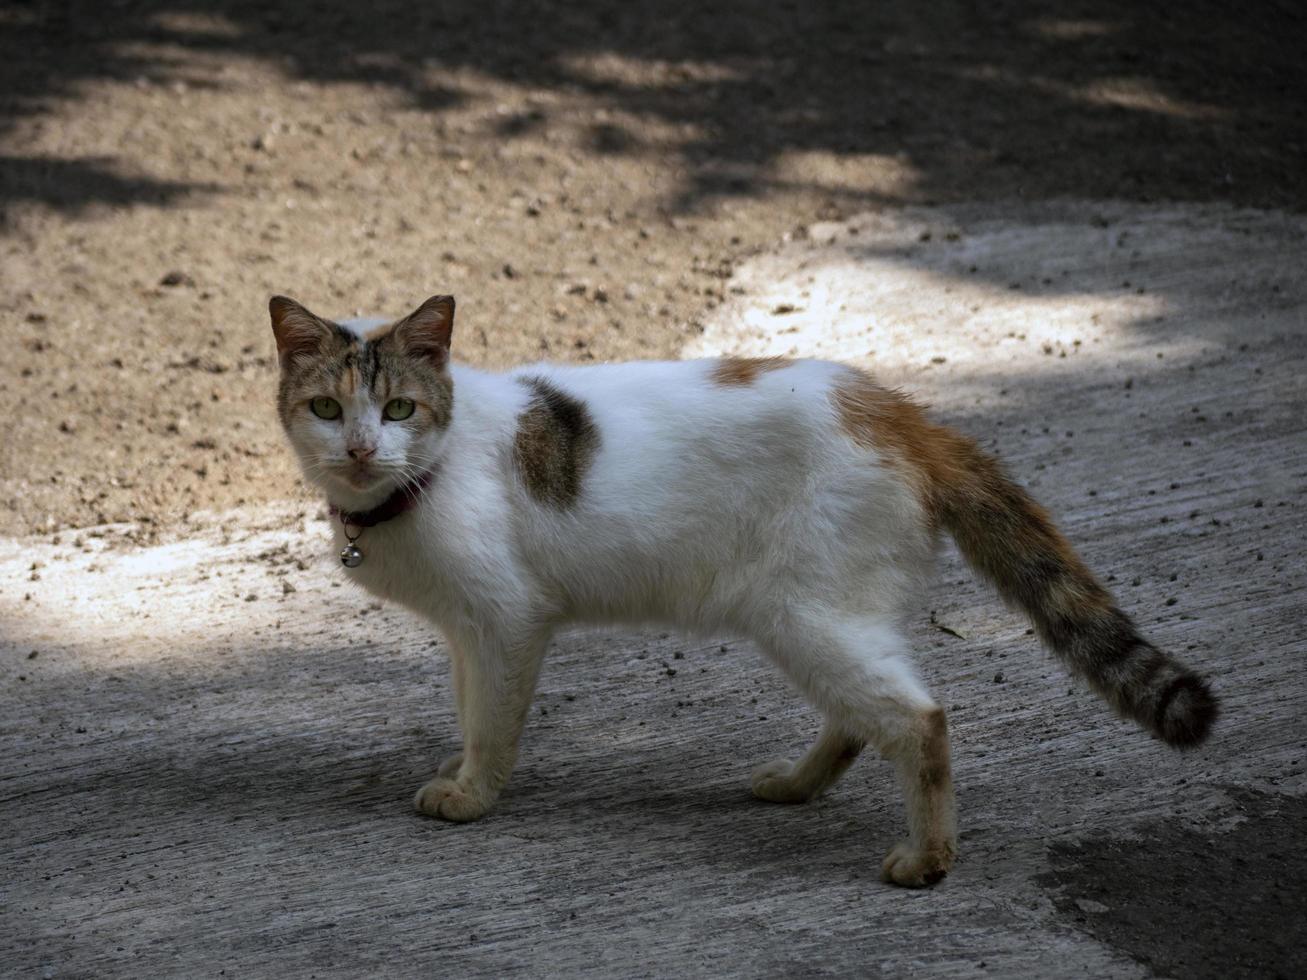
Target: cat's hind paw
column 450, row 767
column 774, row 781
column 914, row 867
column 450, row 800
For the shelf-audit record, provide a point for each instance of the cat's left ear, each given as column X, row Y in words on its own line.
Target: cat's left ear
column 427, row 330
column 298, row 332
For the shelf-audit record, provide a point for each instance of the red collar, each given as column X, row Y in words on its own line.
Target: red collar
column 403, row 499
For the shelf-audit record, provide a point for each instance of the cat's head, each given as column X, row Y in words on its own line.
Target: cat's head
column 366, row 408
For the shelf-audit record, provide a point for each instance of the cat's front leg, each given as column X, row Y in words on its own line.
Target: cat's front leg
column 494, row 681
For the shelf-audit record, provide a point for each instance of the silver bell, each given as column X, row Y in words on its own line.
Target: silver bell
column 350, row 556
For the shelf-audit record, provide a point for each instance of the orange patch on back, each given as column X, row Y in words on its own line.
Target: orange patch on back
column 889, row 422
column 739, row 372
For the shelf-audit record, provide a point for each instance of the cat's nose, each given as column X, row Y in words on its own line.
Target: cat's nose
column 362, row 453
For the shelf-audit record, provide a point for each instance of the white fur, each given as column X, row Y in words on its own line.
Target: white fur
column 742, row 509
column 360, row 325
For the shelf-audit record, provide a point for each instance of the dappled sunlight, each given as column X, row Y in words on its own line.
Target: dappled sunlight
column 1133, row 93
column 933, row 294
column 957, row 92
column 196, row 24
column 876, row 311
column 224, row 583
column 1070, row 29
column 863, row 176
column 1143, row 95
column 629, row 71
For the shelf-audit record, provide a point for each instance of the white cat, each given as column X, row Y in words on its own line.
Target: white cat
column 793, row 502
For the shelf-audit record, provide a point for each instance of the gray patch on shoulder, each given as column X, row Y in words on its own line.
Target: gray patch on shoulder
column 555, row 444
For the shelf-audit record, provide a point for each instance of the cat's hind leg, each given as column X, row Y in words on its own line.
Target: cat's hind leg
column 921, row 755
column 785, row 781
column 858, row 672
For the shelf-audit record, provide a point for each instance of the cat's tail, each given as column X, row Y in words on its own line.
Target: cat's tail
column 1011, row 541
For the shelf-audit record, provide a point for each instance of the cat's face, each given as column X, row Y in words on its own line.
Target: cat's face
column 365, row 409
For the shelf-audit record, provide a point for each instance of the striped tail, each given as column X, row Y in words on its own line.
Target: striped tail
column 1011, row 541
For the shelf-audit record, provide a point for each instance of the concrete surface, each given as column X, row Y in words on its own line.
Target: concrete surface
column 209, row 745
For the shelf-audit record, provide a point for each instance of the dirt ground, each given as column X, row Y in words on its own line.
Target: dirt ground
column 1079, row 236
column 581, row 176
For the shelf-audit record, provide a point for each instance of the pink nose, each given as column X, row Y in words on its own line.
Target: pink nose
column 362, row 453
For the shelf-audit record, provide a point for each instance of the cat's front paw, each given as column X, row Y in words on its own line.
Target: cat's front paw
column 450, row 800
column 774, row 781
column 917, row 867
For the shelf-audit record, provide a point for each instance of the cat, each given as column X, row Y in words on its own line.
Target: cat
column 793, row 502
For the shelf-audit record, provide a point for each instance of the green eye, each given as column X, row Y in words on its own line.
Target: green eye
column 398, row 409
column 325, row 408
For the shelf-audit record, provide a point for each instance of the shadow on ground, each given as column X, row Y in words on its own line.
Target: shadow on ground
column 72, row 184
column 1202, row 905
column 1104, row 98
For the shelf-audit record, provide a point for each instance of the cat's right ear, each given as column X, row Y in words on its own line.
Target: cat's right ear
column 427, row 330
column 299, row 333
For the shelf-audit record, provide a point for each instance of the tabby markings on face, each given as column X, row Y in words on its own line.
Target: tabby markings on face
column 320, row 356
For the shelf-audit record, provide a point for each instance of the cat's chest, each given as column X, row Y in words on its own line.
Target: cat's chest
column 394, row 563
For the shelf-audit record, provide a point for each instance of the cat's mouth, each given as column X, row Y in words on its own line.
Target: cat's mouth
column 362, row 476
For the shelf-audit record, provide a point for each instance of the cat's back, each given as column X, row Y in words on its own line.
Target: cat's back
column 697, row 395
column 646, row 483
column 608, row 435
